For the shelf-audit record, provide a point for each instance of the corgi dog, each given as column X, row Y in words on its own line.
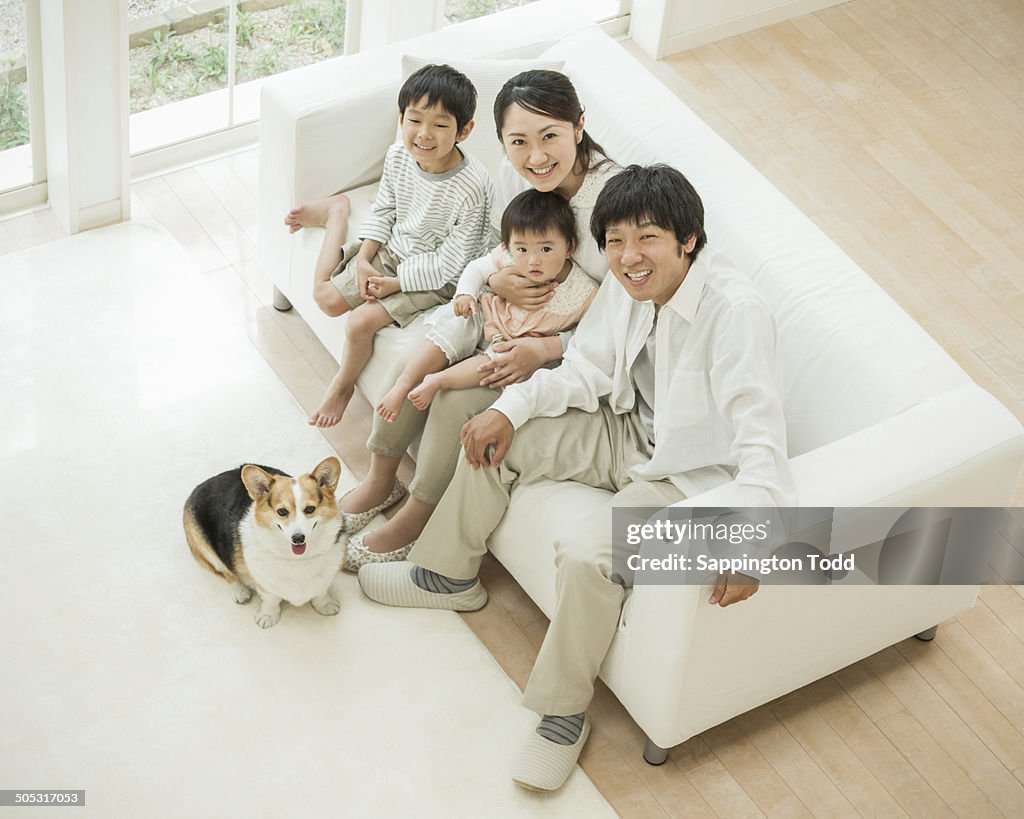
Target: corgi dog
column 266, row 532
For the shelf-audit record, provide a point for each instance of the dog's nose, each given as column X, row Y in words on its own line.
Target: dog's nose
column 298, row 537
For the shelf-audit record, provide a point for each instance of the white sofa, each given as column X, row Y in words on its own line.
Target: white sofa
column 877, row 413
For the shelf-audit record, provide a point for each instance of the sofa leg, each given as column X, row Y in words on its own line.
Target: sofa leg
column 653, row 755
column 281, row 301
column 928, row 634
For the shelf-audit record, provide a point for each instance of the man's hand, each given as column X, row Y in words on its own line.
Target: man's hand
column 518, row 289
column 733, row 587
column 464, row 306
column 518, row 360
column 481, row 432
column 381, row 286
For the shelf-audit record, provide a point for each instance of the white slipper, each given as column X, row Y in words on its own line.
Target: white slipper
column 543, row 765
column 357, row 554
column 390, row 584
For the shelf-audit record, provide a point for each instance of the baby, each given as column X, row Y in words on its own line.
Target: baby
column 538, row 235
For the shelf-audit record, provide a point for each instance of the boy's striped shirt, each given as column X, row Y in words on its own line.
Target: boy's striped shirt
column 435, row 223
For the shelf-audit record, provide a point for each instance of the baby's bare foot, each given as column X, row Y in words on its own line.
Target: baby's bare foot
column 391, row 404
column 316, row 212
column 422, row 395
column 332, row 408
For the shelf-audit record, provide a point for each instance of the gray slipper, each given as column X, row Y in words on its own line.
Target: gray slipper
column 543, row 765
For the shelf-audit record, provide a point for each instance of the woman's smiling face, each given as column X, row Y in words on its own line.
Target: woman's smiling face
column 542, row 149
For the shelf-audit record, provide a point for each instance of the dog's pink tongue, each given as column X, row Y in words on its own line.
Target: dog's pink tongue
column 298, row 548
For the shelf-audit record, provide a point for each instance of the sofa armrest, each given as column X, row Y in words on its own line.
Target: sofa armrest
column 323, row 128
column 330, row 130
column 960, row 448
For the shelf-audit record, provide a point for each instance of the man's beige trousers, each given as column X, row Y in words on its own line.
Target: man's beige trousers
column 596, row 449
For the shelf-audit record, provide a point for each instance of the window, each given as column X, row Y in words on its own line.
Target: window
column 16, row 115
column 196, row 70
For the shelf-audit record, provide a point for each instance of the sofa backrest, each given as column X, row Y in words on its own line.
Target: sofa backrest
column 851, row 356
column 341, row 115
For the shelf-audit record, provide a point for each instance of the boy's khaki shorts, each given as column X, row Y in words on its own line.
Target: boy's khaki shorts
column 401, row 306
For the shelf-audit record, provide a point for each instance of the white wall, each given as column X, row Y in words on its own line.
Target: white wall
column 666, row 27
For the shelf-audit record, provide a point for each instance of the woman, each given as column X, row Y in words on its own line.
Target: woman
column 539, row 121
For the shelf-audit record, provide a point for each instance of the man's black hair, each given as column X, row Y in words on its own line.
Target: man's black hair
column 535, row 212
column 441, row 85
column 656, row 193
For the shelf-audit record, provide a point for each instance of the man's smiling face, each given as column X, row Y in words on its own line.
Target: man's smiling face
column 647, row 259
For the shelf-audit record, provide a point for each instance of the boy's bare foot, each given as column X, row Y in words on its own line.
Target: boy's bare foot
column 332, row 408
column 316, row 212
column 422, row 395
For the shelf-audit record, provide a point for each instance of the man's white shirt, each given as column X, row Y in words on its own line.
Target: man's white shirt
column 717, row 410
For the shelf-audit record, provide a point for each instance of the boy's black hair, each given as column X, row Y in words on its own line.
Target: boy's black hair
column 441, row 85
column 536, row 212
column 655, row 193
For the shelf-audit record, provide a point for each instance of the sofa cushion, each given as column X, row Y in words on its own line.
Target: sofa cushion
column 488, row 76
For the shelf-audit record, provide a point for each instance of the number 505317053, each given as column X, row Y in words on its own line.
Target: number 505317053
column 11, row 798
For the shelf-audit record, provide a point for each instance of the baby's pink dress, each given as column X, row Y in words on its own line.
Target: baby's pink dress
column 562, row 311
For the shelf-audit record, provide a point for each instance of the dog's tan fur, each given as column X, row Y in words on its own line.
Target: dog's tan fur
column 201, row 549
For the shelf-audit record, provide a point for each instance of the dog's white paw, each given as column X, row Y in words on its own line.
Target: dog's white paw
column 242, row 593
column 325, row 605
column 267, row 620
column 270, row 611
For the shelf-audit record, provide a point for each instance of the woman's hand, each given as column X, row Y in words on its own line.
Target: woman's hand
column 519, row 359
column 518, row 289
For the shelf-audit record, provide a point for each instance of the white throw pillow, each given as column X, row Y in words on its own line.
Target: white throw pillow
column 488, row 76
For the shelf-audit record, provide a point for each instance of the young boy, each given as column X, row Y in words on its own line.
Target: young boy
column 430, row 219
column 538, row 236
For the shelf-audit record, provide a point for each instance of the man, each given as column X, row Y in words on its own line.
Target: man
column 669, row 388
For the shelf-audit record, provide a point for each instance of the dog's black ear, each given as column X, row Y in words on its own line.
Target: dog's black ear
column 257, row 482
column 327, row 473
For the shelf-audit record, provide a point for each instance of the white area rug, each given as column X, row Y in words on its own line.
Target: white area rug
column 126, row 669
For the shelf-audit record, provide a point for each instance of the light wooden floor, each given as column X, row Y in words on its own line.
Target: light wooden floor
column 899, row 128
